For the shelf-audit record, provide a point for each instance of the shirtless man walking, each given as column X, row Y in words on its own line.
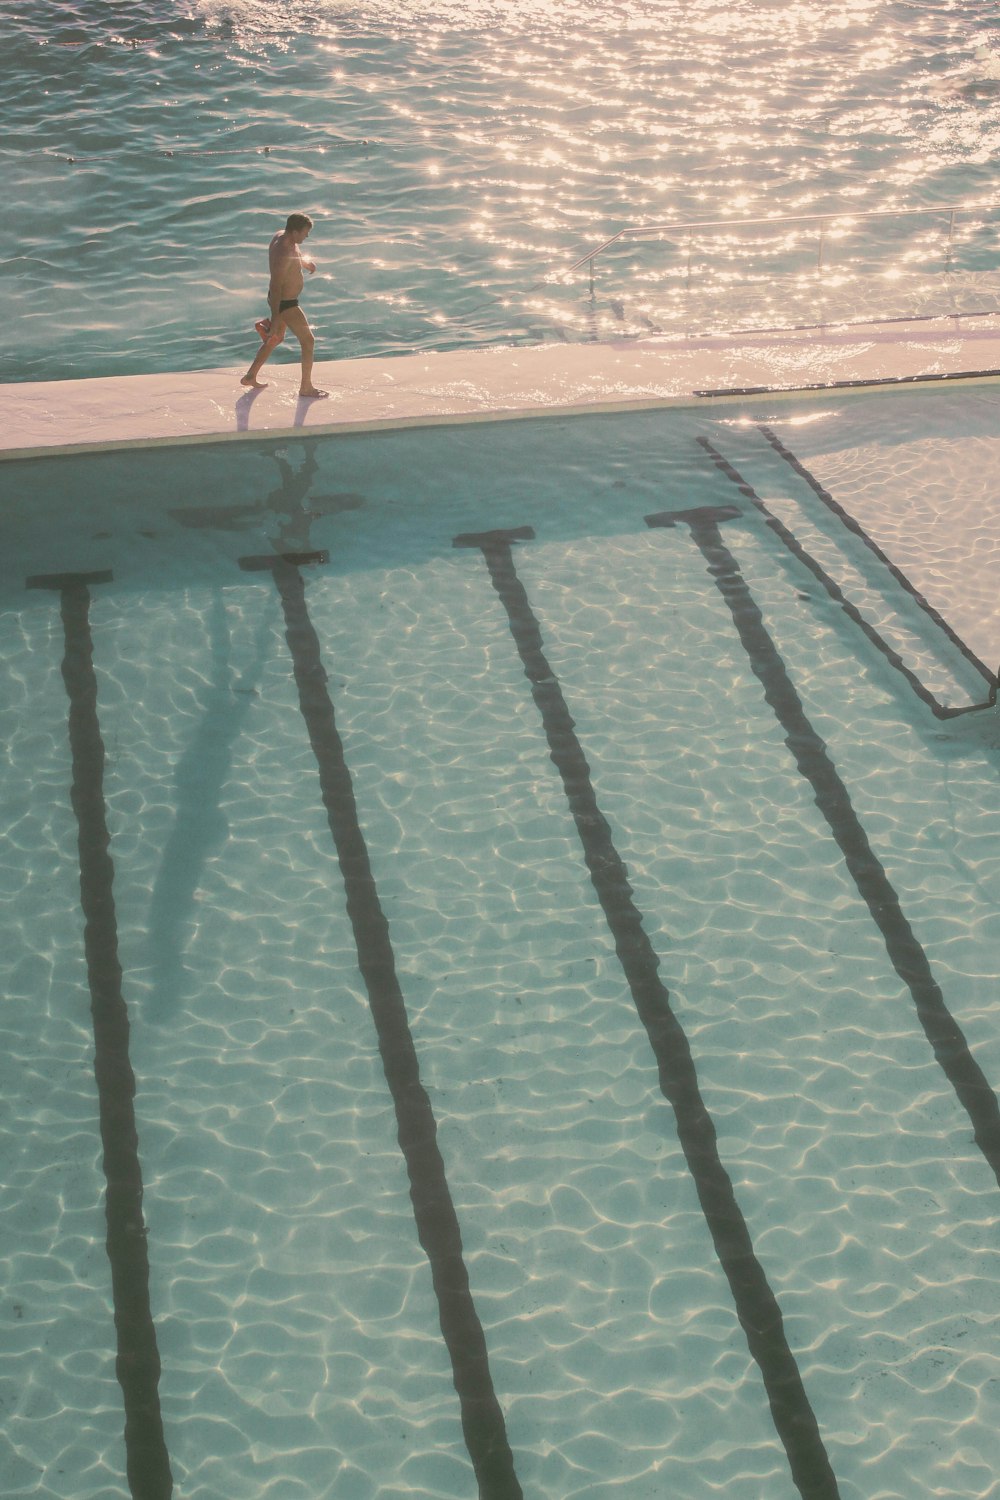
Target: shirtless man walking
column 287, row 264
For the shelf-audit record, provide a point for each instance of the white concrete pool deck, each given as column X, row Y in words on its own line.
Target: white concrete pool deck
column 494, row 384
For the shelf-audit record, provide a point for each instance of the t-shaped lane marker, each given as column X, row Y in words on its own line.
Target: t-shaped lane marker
column 434, row 1212
column 756, row 1305
column 138, row 1364
column 950, row 1047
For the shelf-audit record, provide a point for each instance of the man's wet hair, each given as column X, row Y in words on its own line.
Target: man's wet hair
column 298, row 221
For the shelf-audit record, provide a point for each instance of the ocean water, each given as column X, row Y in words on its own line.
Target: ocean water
column 454, row 155
column 835, row 1026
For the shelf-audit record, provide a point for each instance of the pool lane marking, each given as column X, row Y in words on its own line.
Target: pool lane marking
column 138, row 1361
column 854, row 526
column 436, row 1219
column 950, row 1047
column 795, row 547
column 756, row 1306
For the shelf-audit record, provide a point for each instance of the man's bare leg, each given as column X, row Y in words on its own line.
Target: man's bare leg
column 265, row 351
column 298, row 323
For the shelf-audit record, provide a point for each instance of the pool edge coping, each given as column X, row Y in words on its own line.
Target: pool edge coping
column 725, row 373
column 359, row 426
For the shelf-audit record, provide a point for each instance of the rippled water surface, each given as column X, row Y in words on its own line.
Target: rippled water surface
column 452, row 155
column 574, row 817
column 296, row 1319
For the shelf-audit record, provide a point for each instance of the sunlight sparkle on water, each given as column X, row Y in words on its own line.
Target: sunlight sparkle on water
column 616, row 112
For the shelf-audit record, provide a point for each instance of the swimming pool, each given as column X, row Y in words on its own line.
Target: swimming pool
column 413, row 842
column 553, row 931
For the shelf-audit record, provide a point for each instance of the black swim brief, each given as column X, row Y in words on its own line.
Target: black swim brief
column 287, row 303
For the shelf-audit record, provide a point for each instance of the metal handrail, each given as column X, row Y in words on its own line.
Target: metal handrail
column 632, row 231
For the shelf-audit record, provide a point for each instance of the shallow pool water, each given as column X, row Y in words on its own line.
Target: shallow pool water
column 558, row 955
column 452, row 156
column 499, row 923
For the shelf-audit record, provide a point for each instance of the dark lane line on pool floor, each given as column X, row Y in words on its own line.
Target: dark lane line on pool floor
column 856, row 529
column 795, row 547
column 908, row 958
column 756, row 1306
column 137, row 1365
column 433, row 1209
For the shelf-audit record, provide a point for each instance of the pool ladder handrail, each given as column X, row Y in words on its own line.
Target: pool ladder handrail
column 823, row 220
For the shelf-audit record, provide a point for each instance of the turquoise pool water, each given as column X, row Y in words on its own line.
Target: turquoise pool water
column 616, row 858
column 539, row 960
column 451, row 155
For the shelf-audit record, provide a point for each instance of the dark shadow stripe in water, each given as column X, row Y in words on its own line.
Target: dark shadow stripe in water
column 200, row 826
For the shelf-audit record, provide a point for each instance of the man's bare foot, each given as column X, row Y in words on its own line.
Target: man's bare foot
column 312, row 391
column 253, row 385
column 263, row 327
